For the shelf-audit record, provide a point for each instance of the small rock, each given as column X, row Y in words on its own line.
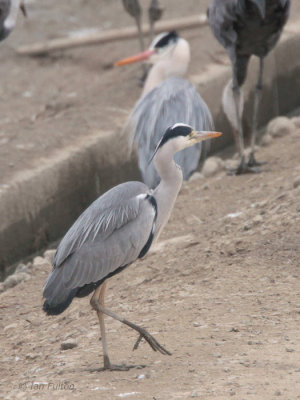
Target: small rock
column 49, row 255
column 68, row 344
column 195, row 394
column 247, row 226
column 196, row 176
column 296, row 182
column 296, row 121
column 266, row 140
column 31, row 356
column 21, row 268
column 280, row 126
column 10, row 281
column 212, row 166
column 277, row 393
column 289, row 350
column 38, row 261
column 11, row 326
column 257, row 219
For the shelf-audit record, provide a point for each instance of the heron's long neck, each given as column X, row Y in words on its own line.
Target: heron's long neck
column 174, row 63
column 167, row 190
column 11, row 19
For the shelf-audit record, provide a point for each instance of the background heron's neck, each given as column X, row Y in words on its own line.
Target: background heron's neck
column 167, row 190
column 11, row 19
column 174, row 63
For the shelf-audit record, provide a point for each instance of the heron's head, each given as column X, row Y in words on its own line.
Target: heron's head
column 162, row 47
column 181, row 136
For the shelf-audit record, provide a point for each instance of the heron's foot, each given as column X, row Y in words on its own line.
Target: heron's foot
column 253, row 162
column 153, row 343
column 243, row 168
column 107, row 365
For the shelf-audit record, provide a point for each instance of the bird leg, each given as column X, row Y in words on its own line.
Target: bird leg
column 97, row 302
column 257, row 97
column 242, row 167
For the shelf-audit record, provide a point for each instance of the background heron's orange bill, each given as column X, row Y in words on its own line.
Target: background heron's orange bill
column 138, row 57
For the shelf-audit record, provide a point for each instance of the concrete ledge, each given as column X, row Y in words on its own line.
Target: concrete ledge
column 41, row 204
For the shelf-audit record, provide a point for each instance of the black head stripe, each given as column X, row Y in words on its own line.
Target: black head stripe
column 167, row 39
column 175, row 131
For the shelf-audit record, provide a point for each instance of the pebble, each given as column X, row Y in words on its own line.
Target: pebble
column 277, row 393
column 266, row 140
column 11, row 326
column 280, row 126
column 38, row 261
column 68, row 344
column 49, row 255
column 296, row 182
column 21, row 268
column 195, row 394
column 296, row 121
column 212, row 166
column 257, row 219
column 196, row 176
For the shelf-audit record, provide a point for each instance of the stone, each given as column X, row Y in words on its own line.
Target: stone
column 296, row 182
column 10, row 281
column 257, row 219
column 196, row 176
column 38, row 261
column 296, row 121
column 280, row 126
column 49, row 255
column 11, row 326
column 21, row 268
column 68, row 344
column 266, row 140
column 212, row 166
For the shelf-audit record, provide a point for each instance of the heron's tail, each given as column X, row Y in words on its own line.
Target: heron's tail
column 57, row 296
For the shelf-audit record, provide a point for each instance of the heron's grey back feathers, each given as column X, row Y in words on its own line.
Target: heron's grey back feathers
column 173, row 101
column 110, row 234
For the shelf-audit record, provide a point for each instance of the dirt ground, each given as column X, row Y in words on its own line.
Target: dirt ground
column 221, row 292
column 51, row 102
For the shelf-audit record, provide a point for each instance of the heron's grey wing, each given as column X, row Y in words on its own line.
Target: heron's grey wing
column 103, row 240
column 174, row 100
column 4, row 11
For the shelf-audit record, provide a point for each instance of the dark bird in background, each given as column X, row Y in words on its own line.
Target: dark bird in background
column 114, row 231
column 8, row 16
column 245, row 28
column 155, row 12
column 133, row 8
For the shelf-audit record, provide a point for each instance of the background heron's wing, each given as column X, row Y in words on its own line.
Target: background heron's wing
column 108, row 236
column 4, row 11
column 221, row 16
column 174, row 100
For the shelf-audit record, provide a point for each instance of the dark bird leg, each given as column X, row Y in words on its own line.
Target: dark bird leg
column 243, row 167
column 155, row 12
column 257, row 97
column 97, row 302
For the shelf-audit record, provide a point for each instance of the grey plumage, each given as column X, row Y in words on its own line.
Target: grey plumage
column 109, row 235
column 173, row 100
column 4, row 11
column 247, row 27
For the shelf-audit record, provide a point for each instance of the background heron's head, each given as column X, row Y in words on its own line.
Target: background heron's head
column 163, row 47
column 181, row 136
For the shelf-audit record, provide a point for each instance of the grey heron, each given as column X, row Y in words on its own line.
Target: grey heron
column 114, row 231
column 8, row 16
column 166, row 99
column 245, row 28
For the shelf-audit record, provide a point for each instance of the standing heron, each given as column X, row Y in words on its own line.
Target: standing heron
column 166, row 99
column 114, row 231
column 245, row 28
column 8, row 16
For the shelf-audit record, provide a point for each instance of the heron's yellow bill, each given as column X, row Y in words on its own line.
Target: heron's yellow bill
column 204, row 135
column 136, row 58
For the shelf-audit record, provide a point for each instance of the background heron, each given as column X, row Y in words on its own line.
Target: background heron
column 114, row 231
column 166, row 99
column 8, row 16
column 245, row 28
